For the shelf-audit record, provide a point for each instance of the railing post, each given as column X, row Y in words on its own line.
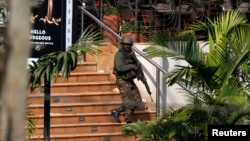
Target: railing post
column 157, row 92
column 101, row 14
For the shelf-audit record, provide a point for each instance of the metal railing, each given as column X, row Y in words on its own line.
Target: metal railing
column 158, row 67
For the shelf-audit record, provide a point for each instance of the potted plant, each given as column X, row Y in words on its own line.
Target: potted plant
column 111, row 18
column 110, row 9
column 128, row 28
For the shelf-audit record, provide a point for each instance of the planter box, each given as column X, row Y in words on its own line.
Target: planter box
column 113, row 22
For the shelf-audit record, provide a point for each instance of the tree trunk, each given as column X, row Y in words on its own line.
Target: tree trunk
column 14, row 86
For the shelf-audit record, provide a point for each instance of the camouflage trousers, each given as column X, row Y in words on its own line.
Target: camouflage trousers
column 130, row 95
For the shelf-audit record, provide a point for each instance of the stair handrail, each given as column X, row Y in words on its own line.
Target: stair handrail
column 158, row 67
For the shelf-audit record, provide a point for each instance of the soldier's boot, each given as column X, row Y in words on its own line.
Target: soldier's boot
column 116, row 113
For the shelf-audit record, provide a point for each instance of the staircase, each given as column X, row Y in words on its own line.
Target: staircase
column 80, row 107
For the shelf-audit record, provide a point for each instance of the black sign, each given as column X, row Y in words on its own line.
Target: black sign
column 48, row 27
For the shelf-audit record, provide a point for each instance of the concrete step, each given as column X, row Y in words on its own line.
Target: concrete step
column 87, row 137
column 70, row 87
column 84, row 77
column 79, row 97
column 75, row 108
column 86, row 67
column 86, row 128
column 93, row 117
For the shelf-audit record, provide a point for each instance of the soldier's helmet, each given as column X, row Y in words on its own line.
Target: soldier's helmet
column 126, row 40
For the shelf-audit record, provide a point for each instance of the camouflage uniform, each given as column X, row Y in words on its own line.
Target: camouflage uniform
column 125, row 73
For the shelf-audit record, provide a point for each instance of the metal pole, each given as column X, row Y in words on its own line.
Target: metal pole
column 179, row 21
column 46, row 109
column 136, row 20
column 101, row 14
column 209, row 8
column 157, row 92
column 82, row 20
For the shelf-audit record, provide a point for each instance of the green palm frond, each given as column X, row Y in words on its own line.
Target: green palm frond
column 233, row 93
column 222, row 33
column 186, row 123
column 239, row 116
column 199, row 76
column 88, row 40
column 174, row 122
column 197, row 26
column 183, row 48
column 221, row 27
column 207, row 98
column 218, row 32
column 227, row 21
column 30, row 123
column 145, row 130
column 161, row 45
column 133, row 128
column 238, row 53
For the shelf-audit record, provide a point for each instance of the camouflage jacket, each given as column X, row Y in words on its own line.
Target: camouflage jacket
column 124, row 64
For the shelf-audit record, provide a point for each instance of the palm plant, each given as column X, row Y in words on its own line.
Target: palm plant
column 217, row 83
column 30, row 124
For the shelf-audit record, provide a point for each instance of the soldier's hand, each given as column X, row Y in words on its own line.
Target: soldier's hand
column 136, row 67
column 144, row 80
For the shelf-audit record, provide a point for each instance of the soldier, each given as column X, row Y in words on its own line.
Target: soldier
column 125, row 70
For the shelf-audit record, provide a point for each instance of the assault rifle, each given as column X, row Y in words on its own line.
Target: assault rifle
column 140, row 76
